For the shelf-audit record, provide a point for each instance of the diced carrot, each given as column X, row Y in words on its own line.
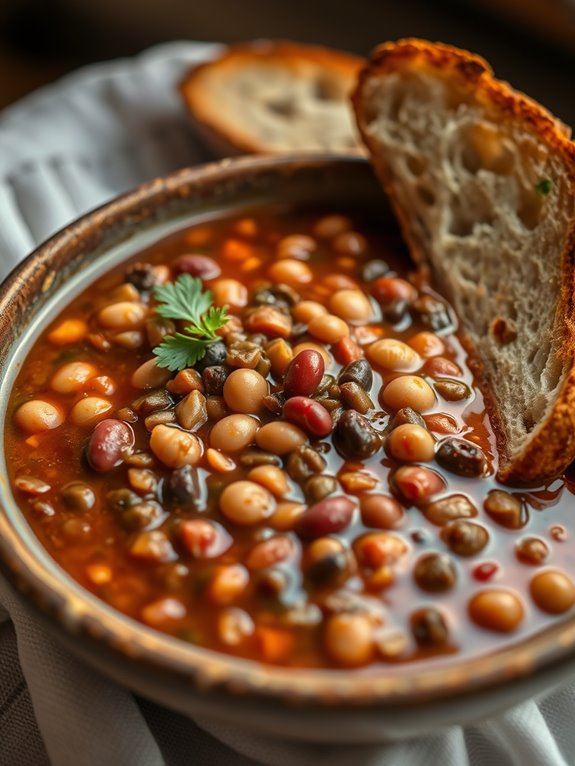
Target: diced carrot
column 68, row 331
column 236, row 251
column 99, row 574
column 198, row 236
column 32, row 441
column 345, row 263
column 347, row 350
column 276, row 644
column 251, row 264
column 246, row 227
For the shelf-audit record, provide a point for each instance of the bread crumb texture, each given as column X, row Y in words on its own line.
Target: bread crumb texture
column 274, row 97
column 483, row 182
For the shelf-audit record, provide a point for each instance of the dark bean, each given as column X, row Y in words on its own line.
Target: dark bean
column 304, row 373
column 461, row 457
column 532, row 550
column 215, row 355
column 204, row 538
column 354, row 436
column 465, row 538
column 358, row 371
column 214, row 378
column 332, row 569
column 429, row 627
column 330, row 404
column 318, row 486
column 158, row 399
column 243, row 354
column 201, row 266
column 406, row 415
column 157, row 328
column 182, row 487
column 78, row 496
column 435, row 572
column 330, row 515
column 452, row 390
column 274, row 403
column 142, row 276
column 355, row 397
column 448, row 509
column 303, row 462
column 109, row 441
column 281, row 296
column 394, row 311
column 506, row 509
column 252, row 458
column 432, row 313
column 325, row 383
column 162, row 417
column 142, row 515
column 152, row 547
column 374, row 269
column 120, row 499
column 270, row 583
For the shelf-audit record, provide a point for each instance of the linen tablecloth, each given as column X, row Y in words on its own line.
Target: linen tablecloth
column 63, row 150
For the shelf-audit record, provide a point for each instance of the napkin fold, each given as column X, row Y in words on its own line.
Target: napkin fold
column 63, row 150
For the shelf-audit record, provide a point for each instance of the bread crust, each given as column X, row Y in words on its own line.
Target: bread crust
column 223, row 136
column 550, row 447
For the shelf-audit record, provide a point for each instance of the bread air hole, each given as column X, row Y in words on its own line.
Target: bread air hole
column 284, row 107
column 467, row 214
column 529, row 212
column 485, row 148
column 415, row 165
column 426, row 195
column 327, row 89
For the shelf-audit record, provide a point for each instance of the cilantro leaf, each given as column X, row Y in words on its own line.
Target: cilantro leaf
column 184, row 300
column 176, row 352
column 543, row 186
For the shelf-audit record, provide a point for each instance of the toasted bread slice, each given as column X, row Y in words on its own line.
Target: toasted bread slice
column 268, row 97
column 483, row 183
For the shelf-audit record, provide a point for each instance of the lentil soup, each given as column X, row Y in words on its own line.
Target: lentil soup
column 308, row 481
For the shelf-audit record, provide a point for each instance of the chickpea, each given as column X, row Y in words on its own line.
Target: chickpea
column 246, row 503
column 229, row 292
column 308, row 310
column 227, row 584
column 408, row 391
column 125, row 315
column 351, row 305
column 244, row 390
column 298, row 246
column 349, row 639
column 411, row 442
column 88, row 411
column 427, row 344
column 280, row 437
column 37, row 415
column 329, row 226
column 552, row 591
column 496, row 609
column 233, row 433
column 72, row 377
column 149, row 375
column 290, row 272
column 328, row 328
column 327, row 358
column 394, row 355
column 350, row 243
column 286, row 515
column 271, row 477
column 175, row 448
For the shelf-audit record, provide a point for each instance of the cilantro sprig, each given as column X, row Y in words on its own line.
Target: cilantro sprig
column 184, row 300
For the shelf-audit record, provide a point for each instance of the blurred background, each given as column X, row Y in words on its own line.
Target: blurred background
column 531, row 43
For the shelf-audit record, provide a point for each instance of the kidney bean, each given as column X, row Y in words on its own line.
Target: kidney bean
column 359, row 372
column 461, row 457
column 416, row 483
column 381, row 511
column 200, row 266
column 465, row 538
column 269, row 552
column 333, row 514
column 355, row 437
column 304, row 373
column 388, row 290
column 204, row 539
column 309, row 415
column 107, row 443
column 439, row 365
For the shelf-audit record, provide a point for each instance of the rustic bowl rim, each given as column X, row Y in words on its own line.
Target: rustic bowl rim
column 70, row 608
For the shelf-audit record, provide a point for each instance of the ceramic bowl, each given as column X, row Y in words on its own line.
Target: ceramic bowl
column 314, row 705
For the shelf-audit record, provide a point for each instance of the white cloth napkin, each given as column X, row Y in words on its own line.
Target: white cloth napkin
column 63, row 150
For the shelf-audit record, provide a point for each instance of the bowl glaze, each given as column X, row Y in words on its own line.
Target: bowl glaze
column 313, row 705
